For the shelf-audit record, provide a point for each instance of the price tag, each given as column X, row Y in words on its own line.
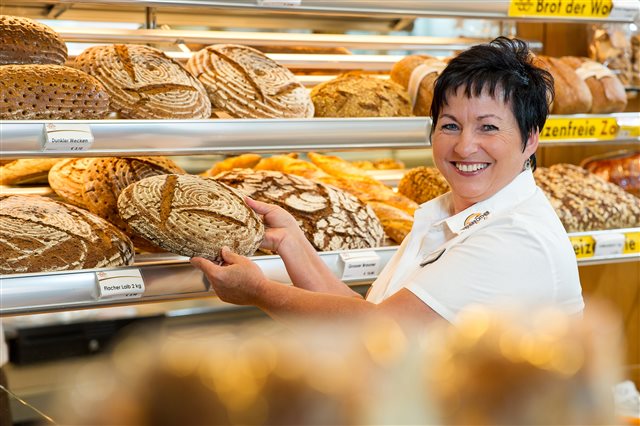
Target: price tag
column 631, row 243
column 586, row 9
column 279, row 3
column 66, row 137
column 583, row 246
column 591, row 128
column 609, row 244
column 120, row 284
column 360, row 265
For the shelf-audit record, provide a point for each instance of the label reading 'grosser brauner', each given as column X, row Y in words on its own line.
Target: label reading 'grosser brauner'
column 587, row 9
column 591, row 128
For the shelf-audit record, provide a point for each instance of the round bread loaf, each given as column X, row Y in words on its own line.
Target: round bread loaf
column 50, row 92
column 38, row 234
column 27, row 170
column 25, row 41
column 331, row 218
column 358, row 95
column 191, row 216
column 143, row 82
column 417, row 74
column 422, row 184
column 105, row 178
column 66, row 179
column 245, row 83
column 572, row 93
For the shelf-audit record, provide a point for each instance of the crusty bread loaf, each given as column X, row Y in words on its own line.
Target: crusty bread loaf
column 244, row 161
column 245, row 83
column 422, row 184
column 417, row 74
column 359, row 95
column 395, row 222
column 25, row 41
column 27, row 170
column 572, row 93
column 50, row 92
column 606, row 89
column 331, row 219
column 144, row 83
column 105, row 178
column 38, row 234
column 66, row 179
column 191, row 216
column 294, row 166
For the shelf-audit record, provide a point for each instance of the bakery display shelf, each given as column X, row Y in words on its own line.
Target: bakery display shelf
column 23, row 139
column 165, row 276
column 591, row 129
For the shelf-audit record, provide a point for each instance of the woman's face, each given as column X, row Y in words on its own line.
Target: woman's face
column 477, row 146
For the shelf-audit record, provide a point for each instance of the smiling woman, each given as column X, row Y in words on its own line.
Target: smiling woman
column 493, row 240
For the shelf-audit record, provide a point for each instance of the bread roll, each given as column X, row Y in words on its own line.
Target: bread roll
column 606, row 89
column 244, row 161
column 245, row 83
column 25, row 41
column 294, row 166
column 191, row 216
column 38, row 234
column 28, row 170
column 395, row 222
column 66, row 179
column 422, row 184
column 331, row 219
column 572, row 93
column 358, row 95
column 417, row 74
column 50, row 92
column 143, row 82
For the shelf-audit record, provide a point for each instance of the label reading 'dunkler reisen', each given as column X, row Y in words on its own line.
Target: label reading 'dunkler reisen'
column 120, row 284
column 587, row 9
column 591, row 128
column 360, row 265
column 66, row 137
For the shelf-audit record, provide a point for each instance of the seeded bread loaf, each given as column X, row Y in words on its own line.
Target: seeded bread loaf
column 417, row 74
column 50, row 92
column 25, row 41
column 66, row 179
column 144, row 83
column 331, row 219
column 26, row 171
column 244, row 83
column 38, row 234
column 572, row 93
column 191, row 216
column 422, row 184
column 359, row 95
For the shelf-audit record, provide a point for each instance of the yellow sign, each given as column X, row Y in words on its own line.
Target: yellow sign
column 629, row 131
column 561, row 8
column 583, row 246
column 589, row 128
column 631, row 242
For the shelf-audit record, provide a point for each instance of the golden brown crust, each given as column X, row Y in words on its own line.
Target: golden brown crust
column 395, row 222
column 572, row 94
column 422, row 184
column 401, row 73
column 25, row 41
column 66, row 179
column 244, row 161
column 26, row 171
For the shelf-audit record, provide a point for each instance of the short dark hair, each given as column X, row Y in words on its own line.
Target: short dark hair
column 503, row 64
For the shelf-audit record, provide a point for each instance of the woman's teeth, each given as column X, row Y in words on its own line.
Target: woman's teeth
column 468, row 168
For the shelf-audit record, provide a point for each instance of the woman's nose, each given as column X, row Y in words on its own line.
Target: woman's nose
column 466, row 144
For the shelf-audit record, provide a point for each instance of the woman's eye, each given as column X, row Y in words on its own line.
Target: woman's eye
column 450, row 126
column 489, row 127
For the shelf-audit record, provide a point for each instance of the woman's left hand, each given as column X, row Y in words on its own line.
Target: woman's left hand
column 238, row 281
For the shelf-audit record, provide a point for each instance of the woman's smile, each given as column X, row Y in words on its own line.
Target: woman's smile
column 466, row 168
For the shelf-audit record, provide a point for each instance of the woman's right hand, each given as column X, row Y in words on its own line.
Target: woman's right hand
column 281, row 227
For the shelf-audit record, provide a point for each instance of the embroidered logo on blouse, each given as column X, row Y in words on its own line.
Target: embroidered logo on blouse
column 473, row 219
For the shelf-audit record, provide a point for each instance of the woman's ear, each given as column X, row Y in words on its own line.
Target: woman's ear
column 532, row 143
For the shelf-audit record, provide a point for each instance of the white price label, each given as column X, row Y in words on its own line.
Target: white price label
column 360, row 265
column 279, row 3
column 609, row 244
column 120, row 284
column 67, row 137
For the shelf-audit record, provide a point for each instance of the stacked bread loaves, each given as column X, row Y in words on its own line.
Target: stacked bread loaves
column 244, row 83
column 143, row 82
column 331, row 218
column 25, row 171
column 38, row 234
column 422, row 184
column 191, row 216
column 417, row 74
column 572, row 93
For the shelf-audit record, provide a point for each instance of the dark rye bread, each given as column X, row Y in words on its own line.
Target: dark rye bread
column 38, row 234
column 66, row 179
column 191, row 216
column 144, row 83
column 50, row 92
column 105, row 178
column 26, row 170
column 331, row 219
column 25, row 41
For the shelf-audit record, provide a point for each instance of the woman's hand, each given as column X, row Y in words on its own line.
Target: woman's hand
column 238, row 281
column 281, row 227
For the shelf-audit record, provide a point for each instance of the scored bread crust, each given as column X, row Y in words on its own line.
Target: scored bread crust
column 331, row 219
column 144, row 83
column 38, row 234
column 25, row 41
column 245, row 83
column 50, row 92
column 66, row 179
column 191, row 216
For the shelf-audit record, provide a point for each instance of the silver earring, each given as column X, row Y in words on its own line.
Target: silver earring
column 527, row 164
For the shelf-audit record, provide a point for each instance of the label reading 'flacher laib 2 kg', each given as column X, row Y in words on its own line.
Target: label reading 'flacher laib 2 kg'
column 587, row 9
column 575, row 128
column 120, row 284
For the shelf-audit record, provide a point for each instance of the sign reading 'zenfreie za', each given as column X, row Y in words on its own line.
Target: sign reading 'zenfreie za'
column 587, row 9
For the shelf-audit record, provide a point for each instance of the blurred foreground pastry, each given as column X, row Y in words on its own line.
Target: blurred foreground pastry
column 26, row 171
